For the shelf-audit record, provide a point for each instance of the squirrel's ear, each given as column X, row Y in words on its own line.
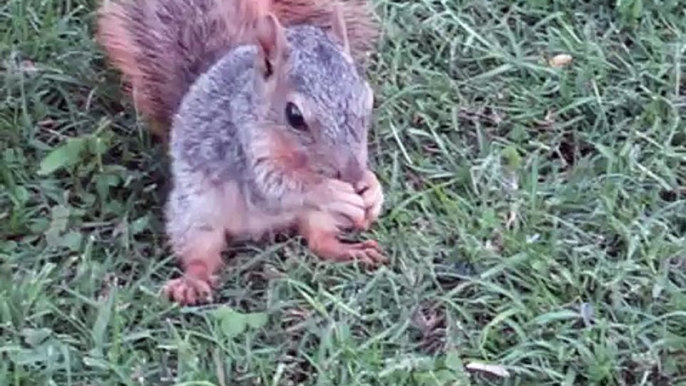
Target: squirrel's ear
column 271, row 39
column 338, row 27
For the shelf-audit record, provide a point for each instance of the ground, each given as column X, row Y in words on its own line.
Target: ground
column 535, row 216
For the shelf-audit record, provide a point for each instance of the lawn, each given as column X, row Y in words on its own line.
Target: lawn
column 535, row 214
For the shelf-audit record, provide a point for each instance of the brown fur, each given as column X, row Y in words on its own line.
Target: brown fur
column 162, row 46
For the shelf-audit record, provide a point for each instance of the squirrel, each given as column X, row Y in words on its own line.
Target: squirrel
column 267, row 112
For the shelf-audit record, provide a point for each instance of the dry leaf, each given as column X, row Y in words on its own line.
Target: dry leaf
column 559, row 61
column 491, row 369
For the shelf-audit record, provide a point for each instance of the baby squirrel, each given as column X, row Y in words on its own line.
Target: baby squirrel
column 267, row 111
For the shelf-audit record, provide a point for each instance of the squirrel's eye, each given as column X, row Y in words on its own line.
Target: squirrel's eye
column 295, row 117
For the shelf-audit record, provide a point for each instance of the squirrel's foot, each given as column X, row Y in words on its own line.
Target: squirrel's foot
column 194, row 287
column 188, row 291
column 372, row 195
column 321, row 230
column 330, row 248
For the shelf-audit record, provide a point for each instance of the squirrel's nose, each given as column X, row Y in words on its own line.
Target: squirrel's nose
column 352, row 172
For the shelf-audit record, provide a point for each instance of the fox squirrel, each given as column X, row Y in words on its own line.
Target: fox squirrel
column 267, row 111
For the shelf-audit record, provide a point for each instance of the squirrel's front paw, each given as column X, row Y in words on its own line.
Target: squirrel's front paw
column 188, row 290
column 339, row 199
column 372, row 195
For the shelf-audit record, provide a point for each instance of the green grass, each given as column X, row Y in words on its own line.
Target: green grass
column 535, row 217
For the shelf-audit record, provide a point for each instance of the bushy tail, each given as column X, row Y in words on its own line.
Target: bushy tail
column 162, row 46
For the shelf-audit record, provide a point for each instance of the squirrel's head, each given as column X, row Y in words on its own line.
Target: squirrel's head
column 318, row 100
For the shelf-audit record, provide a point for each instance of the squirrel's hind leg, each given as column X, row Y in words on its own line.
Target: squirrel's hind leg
column 196, row 230
column 321, row 231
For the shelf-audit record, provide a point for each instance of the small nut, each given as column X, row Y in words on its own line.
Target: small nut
column 560, row 60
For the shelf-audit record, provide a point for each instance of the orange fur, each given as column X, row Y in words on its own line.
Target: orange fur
column 285, row 153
